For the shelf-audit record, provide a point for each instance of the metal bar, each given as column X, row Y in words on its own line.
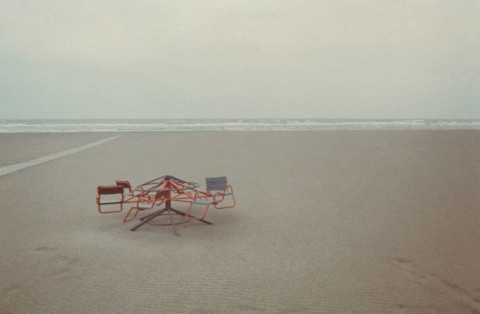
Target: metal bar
column 183, row 214
column 147, row 220
column 153, row 214
column 172, row 223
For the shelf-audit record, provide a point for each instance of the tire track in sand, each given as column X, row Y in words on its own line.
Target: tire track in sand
column 458, row 296
column 16, row 167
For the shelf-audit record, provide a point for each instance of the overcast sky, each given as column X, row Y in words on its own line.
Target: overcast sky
column 229, row 59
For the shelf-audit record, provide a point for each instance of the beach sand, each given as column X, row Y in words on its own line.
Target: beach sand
column 326, row 222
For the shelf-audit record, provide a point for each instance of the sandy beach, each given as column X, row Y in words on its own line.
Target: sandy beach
column 325, row 222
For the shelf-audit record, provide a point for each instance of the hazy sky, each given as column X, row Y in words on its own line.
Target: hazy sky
column 252, row 58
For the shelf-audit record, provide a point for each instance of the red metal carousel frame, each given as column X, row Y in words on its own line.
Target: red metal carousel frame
column 163, row 191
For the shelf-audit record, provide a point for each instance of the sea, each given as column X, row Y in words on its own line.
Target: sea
column 182, row 125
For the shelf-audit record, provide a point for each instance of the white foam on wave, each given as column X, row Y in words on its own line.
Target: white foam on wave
column 156, row 125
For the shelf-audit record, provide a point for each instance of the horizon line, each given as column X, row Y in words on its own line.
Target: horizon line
column 241, row 118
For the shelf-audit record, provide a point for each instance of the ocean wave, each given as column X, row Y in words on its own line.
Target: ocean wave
column 163, row 125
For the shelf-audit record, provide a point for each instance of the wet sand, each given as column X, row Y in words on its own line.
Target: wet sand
column 341, row 221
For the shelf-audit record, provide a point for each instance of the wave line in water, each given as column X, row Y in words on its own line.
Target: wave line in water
column 181, row 125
